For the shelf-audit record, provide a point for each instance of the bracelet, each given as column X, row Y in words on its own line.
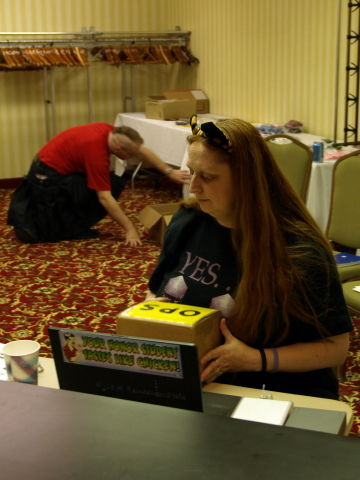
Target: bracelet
column 168, row 171
column 263, row 360
column 276, row 360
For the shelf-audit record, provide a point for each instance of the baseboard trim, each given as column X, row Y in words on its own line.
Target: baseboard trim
column 10, row 182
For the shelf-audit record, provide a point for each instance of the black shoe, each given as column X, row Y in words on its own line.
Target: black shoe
column 25, row 235
column 86, row 234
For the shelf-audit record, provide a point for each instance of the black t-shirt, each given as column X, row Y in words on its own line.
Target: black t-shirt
column 198, row 266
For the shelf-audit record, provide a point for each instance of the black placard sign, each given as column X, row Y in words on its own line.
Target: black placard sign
column 152, row 371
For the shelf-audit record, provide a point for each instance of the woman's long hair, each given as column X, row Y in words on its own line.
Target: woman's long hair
column 267, row 212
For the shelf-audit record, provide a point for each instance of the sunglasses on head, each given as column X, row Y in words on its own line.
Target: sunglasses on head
column 211, row 132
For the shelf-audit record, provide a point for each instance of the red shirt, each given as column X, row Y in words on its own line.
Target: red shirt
column 82, row 149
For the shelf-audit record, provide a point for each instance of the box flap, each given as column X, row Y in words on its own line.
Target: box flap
column 167, row 219
column 166, row 208
column 155, row 98
column 149, row 216
column 157, row 217
column 199, row 95
column 196, row 94
column 172, row 101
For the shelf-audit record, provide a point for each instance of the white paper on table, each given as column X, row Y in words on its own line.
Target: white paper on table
column 262, row 410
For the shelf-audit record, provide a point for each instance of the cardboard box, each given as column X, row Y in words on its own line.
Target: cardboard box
column 156, row 218
column 202, row 103
column 162, row 108
column 172, row 321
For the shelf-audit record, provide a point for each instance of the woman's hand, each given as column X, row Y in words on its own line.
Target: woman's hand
column 152, row 296
column 233, row 356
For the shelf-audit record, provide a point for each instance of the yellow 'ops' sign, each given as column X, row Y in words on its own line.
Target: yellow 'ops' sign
column 169, row 312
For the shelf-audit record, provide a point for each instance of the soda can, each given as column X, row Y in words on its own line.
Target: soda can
column 318, row 152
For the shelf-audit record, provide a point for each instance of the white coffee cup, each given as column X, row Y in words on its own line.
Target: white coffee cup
column 22, row 360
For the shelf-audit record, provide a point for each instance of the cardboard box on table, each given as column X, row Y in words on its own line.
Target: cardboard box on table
column 202, row 103
column 157, row 217
column 162, row 108
column 174, row 322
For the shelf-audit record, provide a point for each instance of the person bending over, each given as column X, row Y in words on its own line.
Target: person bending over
column 247, row 246
column 69, row 186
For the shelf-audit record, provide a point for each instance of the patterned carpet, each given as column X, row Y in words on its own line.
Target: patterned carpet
column 85, row 284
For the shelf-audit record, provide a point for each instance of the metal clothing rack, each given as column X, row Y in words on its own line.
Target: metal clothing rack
column 89, row 38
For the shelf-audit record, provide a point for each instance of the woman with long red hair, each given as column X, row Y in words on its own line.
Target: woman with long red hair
column 246, row 245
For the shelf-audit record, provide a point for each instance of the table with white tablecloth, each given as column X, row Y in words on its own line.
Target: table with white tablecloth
column 168, row 141
column 319, row 192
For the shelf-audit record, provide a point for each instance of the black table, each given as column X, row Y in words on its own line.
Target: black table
column 57, row 434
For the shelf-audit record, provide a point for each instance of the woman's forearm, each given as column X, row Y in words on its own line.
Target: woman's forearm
column 302, row 357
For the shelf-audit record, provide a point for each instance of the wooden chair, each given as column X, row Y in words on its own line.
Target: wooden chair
column 294, row 159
